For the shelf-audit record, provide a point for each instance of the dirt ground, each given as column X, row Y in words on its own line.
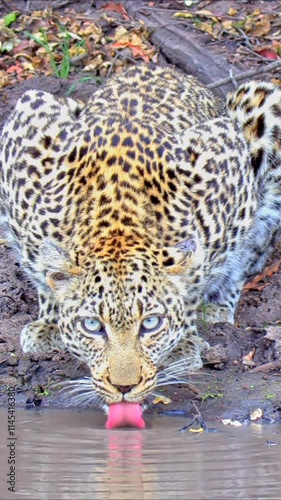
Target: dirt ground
column 242, row 370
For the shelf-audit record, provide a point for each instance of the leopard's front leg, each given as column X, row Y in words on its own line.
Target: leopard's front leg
column 220, row 302
column 43, row 335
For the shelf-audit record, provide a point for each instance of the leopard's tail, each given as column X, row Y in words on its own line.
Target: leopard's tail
column 257, row 106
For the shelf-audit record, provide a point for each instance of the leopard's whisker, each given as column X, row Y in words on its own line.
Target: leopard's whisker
column 79, row 390
column 68, row 384
column 85, row 398
column 172, row 381
column 180, row 361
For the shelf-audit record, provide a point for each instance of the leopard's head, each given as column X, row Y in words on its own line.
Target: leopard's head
column 122, row 311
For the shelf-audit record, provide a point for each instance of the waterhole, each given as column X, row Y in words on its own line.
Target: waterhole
column 68, row 454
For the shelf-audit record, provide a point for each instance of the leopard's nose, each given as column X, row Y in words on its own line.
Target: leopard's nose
column 124, row 388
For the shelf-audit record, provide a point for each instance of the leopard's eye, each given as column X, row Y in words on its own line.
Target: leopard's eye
column 151, row 323
column 93, row 325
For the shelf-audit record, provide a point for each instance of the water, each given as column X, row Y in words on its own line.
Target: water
column 67, row 454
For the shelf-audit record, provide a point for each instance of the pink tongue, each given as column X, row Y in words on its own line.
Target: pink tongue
column 125, row 414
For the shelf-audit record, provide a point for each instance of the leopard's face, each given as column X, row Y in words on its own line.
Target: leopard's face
column 121, row 318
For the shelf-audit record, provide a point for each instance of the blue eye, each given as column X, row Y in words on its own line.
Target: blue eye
column 151, row 323
column 92, row 325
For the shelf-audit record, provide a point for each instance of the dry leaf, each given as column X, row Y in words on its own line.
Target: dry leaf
column 234, row 423
column 92, row 66
column 77, row 50
column 247, row 360
column 250, row 355
column 185, row 15
column 228, row 26
column 261, row 28
column 256, row 414
column 268, row 272
column 207, row 28
column 4, row 81
column 232, row 11
column 116, row 8
column 268, row 53
column 206, row 13
column 92, row 31
column 121, row 34
column 161, row 399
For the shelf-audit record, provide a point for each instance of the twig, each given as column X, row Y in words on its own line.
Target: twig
column 245, row 74
column 232, row 79
column 5, row 4
column 268, row 367
column 244, row 36
column 112, row 65
column 61, row 3
column 76, row 59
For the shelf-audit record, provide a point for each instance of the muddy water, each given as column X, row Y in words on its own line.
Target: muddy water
column 67, row 454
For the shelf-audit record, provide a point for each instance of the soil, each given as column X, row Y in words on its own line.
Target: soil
column 229, row 386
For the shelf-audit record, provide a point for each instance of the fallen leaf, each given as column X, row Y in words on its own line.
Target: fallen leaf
column 261, row 28
column 185, row 15
column 116, row 8
column 25, row 44
column 206, row 27
column 28, row 66
column 94, row 63
column 121, row 34
column 10, row 18
column 7, row 46
column 90, row 30
column 268, row 272
column 258, row 413
column 25, row 56
column 206, row 13
column 161, row 399
column 77, row 51
column 134, row 42
column 139, row 52
column 250, row 355
column 234, row 423
column 268, row 53
column 15, row 68
column 247, row 360
column 228, row 26
column 232, row 11
column 4, row 81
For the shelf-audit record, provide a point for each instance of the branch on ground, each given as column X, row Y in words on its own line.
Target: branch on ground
column 245, row 74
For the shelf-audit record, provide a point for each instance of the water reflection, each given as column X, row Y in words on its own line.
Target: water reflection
column 124, row 471
column 69, row 455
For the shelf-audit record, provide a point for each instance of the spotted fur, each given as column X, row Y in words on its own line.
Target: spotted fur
column 134, row 207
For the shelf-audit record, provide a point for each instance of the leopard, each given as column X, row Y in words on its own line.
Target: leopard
column 132, row 211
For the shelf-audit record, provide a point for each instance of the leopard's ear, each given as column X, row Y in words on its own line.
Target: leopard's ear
column 175, row 259
column 57, row 265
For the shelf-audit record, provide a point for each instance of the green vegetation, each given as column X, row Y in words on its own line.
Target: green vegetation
column 63, row 69
column 212, row 395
